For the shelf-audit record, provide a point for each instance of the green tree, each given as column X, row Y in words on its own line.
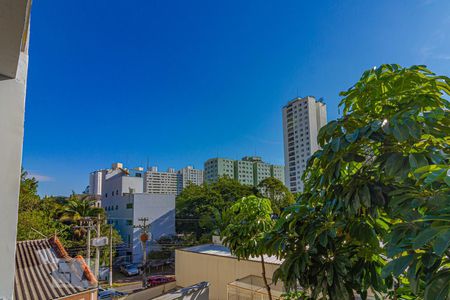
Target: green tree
column 40, row 218
column 246, row 223
column 277, row 193
column 196, row 206
column 28, row 197
column 116, row 240
column 78, row 207
column 374, row 213
column 35, row 222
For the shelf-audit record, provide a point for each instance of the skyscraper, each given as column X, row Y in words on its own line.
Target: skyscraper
column 302, row 120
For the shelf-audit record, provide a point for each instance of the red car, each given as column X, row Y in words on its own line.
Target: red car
column 157, row 280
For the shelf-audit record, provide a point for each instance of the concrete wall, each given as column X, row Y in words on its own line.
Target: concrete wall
column 153, row 292
column 198, row 291
column 13, row 75
column 119, row 214
column 191, row 267
column 160, row 210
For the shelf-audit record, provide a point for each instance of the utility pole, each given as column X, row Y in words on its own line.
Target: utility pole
column 87, row 223
column 97, row 250
column 88, row 258
column 144, row 227
column 110, row 254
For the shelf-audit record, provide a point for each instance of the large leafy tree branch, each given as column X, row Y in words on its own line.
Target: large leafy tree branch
column 246, row 223
column 374, row 212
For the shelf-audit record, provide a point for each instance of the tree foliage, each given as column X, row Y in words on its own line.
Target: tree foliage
column 278, row 194
column 196, row 206
column 247, row 222
column 41, row 218
column 374, row 213
column 78, row 207
column 28, row 197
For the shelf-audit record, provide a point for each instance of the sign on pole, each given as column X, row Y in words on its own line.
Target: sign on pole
column 100, row 242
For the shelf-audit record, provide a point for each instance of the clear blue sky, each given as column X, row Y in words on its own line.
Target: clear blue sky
column 178, row 82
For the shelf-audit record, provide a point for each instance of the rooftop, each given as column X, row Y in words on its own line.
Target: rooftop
column 220, row 250
column 44, row 270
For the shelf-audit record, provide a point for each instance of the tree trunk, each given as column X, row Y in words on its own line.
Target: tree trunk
column 264, row 278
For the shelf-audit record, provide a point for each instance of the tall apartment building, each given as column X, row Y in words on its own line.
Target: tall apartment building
column 188, row 175
column 218, row 167
column 156, row 182
column 302, row 119
column 251, row 170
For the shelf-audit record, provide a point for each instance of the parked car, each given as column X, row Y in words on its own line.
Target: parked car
column 103, row 273
column 110, row 294
column 157, row 280
column 130, row 269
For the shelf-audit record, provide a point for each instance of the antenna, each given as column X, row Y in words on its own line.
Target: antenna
column 37, row 231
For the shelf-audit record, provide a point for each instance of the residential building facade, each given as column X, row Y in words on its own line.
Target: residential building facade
column 251, row 170
column 302, row 120
column 187, row 176
column 215, row 168
column 156, row 182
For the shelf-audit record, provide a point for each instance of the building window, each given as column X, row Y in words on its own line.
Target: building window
column 129, row 222
column 129, row 205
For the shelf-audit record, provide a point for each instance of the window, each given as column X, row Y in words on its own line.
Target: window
column 129, row 205
column 117, row 207
column 129, row 222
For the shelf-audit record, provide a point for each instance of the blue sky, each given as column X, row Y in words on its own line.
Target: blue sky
column 178, row 82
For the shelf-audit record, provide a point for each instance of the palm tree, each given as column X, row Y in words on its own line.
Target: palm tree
column 79, row 207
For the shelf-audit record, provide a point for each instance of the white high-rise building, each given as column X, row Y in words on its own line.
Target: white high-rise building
column 302, row 120
column 96, row 179
column 187, row 176
column 156, row 182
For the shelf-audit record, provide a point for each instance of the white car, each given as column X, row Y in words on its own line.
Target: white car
column 130, row 269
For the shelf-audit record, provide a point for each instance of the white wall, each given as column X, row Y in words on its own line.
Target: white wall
column 14, row 28
column 120, row 184
column 160, row 210
column 12, row 107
